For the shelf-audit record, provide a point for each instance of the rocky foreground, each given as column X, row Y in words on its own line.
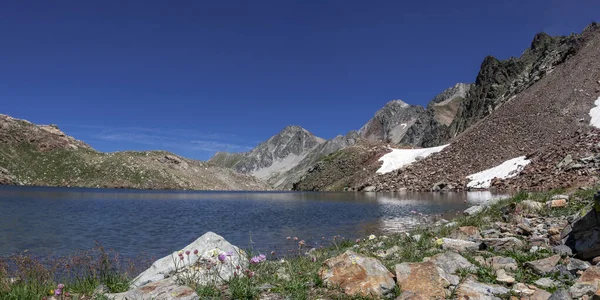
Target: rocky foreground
column 532, row 246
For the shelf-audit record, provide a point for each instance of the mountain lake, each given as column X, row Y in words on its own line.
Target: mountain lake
column 60, row 221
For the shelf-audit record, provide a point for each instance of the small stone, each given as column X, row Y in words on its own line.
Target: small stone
column 562, row 250
column 501, row 276
column 596, row 260
column 534, row 249
column 543, row 266
column 387, row 253
column 557, row 203
column 459, row 245
column 530, row 205
column 473, row 210
column 465, row 233
column 266, row 287
column 546, row 283
column 523, row 289
column 500, row 262
column 559, row 197
column 540, row 295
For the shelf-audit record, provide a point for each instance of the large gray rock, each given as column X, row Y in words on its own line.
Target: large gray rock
column 546, row 283
column 583, row 235
column 471, row 289
column 209, row 246
column 543, row 266
column 166, row 289
column 449, row 262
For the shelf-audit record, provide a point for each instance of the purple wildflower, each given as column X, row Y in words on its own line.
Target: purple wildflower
column 61, row 286
column 255, row 260
column 230, row 253
column 262, row 257
column 196, row 252
column 57, row 292
column 222, row 257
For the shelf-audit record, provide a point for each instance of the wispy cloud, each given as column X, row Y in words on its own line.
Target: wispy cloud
column 187, row 142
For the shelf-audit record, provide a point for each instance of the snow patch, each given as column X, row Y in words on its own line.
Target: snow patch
column 507, row 169
column 399, row 158
column 595, row 114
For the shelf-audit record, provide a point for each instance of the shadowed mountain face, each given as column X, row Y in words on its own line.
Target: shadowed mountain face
column 536, row 105
column 33, row 154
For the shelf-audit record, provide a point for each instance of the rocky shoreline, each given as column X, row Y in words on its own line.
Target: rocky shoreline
column 530, row 246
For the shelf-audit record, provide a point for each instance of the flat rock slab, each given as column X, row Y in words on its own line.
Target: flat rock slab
column 166, row 289
column 357, row 275
column 208, row 246
column 459, row 245
column 473, row 210
column 422, row 279
column 500, row 244
column 543, row 266
column 471, row 289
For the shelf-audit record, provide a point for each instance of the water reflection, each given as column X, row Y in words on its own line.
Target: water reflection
column 60, row 220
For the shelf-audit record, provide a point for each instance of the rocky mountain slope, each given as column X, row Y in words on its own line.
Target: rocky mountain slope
column 536, row 105
column 404, row 124
column 547, row 121
column 283, row 158
column 33, row 154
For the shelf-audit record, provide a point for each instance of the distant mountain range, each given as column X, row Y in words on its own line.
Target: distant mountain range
column 536, row 105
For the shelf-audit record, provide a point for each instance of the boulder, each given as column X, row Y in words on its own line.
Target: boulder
column 449, row 262
column 357, row 275
column 501, row 244
column 473, row 210
column 459, row 245
column 583, row 235
column 423, row 279
column 166, row 289
column 208, row 247
column 471, row 289
column 543, row 266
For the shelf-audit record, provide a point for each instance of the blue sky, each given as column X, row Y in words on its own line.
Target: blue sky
column 195, row 77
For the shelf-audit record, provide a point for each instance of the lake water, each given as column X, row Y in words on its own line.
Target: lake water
column 47, row 221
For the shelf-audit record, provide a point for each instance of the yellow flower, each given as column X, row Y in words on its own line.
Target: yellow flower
column 354, row 261
column 372, row 237
column 51, row 292
column 439, row 242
